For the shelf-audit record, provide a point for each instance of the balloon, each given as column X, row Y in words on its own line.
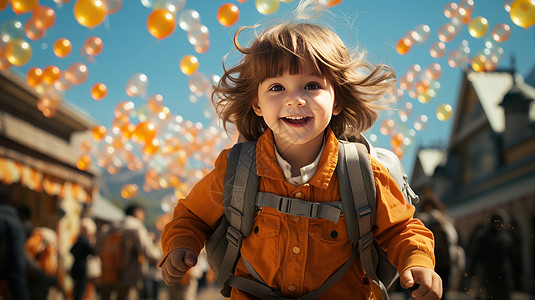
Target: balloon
column 18, row 52
column 437, row 49
column 173, row 6
column 23, row 6
column 423, row 98
column 161, row 23
column 89, row 13
column 501, row 32
column 228, row 14
column 34, row 76
column 267, row 7
column 405, row 83
column 467, row 5
column 403, row 46
column 478, row 27
column 523, row 13
column 84, row 162
column 421, row 122
column 112, row 6
column 478, row 63
column 144, row 132
column 387, row 126
column 420, row 34
column 129, row 190
column 406, row 111
column 43, row 17
column 444, row 112
column 51, row 74
column 98, row 132
column 189, row 19
column 397, row 140
column 93, row 45
column 507, row 5
column 11, row 29
column 124, row 108
column 449, row 9
column 203, row 46
column 137, row 85
column 63, row 83
column 99, row 91
column 62, row 47
column 32, row 32
column 3, row 4
column 434, row 89
column 198, row 34
column 433, row 71
column 460, row 16
column 155, row 102
column 328, row 3
column 189, row 64
column 413, row 72
column 448, row 32
column 151, row 147
column 148, row 3
column 199, row 83
column 77, row 73
column 285, row 1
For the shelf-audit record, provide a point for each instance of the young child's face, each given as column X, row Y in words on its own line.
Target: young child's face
column 297, row 108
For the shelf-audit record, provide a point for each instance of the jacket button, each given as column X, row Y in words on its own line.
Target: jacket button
column 255, row 230
column 296, row 249
column 292, row 287
column 299, row 195
column 334, row 234
column 295, row 218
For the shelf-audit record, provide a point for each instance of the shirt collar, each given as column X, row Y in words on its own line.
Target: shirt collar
column 306, row 172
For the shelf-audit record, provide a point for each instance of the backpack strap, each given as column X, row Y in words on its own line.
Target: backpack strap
column 297, row 207
column 239, row 193
column 356, row 179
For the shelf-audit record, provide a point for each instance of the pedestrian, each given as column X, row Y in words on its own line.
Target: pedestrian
column 12, row 260
column 493, row 256
column 449, row 255
column 135, row 246
column 296, row 91
column 81, row 250
column 42, row 262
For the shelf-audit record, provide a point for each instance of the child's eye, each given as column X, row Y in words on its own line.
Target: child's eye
column 312, row 86
column 276, row 88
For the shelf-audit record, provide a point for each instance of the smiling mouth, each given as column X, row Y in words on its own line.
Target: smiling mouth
column 296, row 120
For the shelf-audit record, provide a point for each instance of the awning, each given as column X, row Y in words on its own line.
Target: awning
column 103, row 209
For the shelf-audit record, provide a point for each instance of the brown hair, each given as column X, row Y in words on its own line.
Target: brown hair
column 358, row 84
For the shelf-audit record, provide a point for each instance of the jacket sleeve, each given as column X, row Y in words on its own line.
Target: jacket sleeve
column 407, row 241
column 196, row 216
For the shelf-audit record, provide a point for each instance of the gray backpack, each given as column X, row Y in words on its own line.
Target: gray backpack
column 357, row 190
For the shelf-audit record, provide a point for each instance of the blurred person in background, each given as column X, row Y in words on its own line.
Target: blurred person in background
column 13, row 284
column 81, row 250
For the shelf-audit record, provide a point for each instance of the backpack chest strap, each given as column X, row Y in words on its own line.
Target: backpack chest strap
column 301, row 208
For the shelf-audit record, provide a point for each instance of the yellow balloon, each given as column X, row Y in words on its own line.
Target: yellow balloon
column 18, row 52
column 24, row 6
column 189, row 64
column 89, row 13
column 444, row 112
column 523, row 13
column 267, row 7
column 478, row 27
column 478, row 63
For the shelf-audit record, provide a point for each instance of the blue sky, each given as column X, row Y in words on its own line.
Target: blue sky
column 375, row 26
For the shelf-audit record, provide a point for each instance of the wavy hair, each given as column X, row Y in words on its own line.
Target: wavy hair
column 358, row 84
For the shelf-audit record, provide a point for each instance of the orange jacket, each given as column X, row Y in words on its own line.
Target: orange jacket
column 297, row 254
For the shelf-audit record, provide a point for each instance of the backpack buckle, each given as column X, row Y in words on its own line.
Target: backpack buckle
column 234, row 236
column 299, row 208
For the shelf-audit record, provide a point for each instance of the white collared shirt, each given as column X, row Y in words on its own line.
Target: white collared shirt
column 306, row 172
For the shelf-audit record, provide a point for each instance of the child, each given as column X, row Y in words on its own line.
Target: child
column 296, row 91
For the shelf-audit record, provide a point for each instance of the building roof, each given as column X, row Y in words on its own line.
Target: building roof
column 430, row 159
column 491, row 87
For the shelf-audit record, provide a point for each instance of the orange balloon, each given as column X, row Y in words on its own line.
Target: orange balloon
column 62, row 47
column 89, row 13
column 32, row 32
column 144, row 132
column 403, row 46
column 478, row 63
column 98, row 132
column 3, row 4
column 34, row 76
column 189, row 64
column 93, row 45
column 161, row 23
column 151, row 147
column 51, row 74
column 23, row 6
column 99, row 91
column 331, row 3
column 43, row 17
column 84, row 162
column 77, row 73
column 129, row 190
column 228, row 14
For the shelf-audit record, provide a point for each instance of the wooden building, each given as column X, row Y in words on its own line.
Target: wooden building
column 490, row 161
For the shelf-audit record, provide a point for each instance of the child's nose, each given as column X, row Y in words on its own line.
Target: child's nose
column 296, row 99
